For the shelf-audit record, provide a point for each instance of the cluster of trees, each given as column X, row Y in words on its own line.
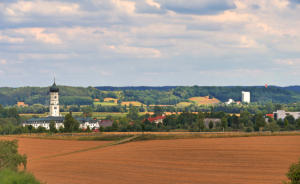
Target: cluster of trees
column 10, row 120
column 294, row 173
column 10, row 160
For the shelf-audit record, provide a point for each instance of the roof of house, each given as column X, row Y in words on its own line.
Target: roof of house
column 106, row 123
column 156, row 118
column 57, row 119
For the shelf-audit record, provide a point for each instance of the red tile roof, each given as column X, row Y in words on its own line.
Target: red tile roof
column 156, row 118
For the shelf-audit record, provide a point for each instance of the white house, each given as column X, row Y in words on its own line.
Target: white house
column 91, row 124
column 281, row 114
column 230, row 101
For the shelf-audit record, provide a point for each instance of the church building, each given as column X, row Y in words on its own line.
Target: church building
column 54, row 115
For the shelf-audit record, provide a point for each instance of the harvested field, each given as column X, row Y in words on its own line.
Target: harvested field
column 183, row 104
column 204, row 100
column 244, row 160
column 111, row 99
column 133, row 103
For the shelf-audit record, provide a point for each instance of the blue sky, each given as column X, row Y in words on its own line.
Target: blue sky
column 149, row 42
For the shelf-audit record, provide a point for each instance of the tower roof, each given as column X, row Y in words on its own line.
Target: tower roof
column 54, row 88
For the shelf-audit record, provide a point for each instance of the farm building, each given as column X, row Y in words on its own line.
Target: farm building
column 157, row 119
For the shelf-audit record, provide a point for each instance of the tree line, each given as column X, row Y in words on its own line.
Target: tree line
column 155, row 95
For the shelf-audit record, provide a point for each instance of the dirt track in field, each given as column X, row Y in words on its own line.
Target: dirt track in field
column 246, row 160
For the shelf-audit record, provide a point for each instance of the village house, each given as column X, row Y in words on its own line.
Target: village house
column 281, row 114
column 157, row 119
column 22, row 104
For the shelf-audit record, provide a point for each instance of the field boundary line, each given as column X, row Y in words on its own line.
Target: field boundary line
column 123, row 141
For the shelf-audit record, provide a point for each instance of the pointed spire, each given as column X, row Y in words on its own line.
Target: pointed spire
column 54, row 88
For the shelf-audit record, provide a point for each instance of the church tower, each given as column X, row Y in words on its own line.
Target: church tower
column 54, row 102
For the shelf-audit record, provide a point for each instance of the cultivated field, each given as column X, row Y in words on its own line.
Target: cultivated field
column 204, row 100
column 239, row 160
column 133, row 103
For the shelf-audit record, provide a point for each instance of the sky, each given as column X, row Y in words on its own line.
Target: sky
column 149, row 42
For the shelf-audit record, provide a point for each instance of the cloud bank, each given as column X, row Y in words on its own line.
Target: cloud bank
column 149, row 42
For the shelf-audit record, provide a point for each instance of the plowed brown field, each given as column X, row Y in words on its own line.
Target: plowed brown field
column 245, row 160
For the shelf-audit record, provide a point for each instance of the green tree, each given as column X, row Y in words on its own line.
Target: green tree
column 30, row 128
column 294, row 173
column 273, row 126
column 158, row 111
column 52, row 127
column 10, row 160
column 260, row 121
column 9, row 156
column 87, row 111
column 70, row 123
column 88, row 129
column 298, row 123
column 41, row 129
column 286, row 123
column 224, row 123
column 12, row 177
column 290, row 119
column 211, row 125
column 201, row 125
column 115, row 126
column 133, row 113
column 245, row 118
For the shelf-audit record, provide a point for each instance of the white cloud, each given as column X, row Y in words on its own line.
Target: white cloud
column 138, row 52
column 40, row 34
column 153, row 3
column 5, row 38
column 23, row 8
column 3, row 61
column 289, row 62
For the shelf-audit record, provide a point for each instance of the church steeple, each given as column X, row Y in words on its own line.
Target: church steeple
column 54, row 100
column 54, row 88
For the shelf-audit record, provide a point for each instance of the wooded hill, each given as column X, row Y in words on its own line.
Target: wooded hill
column 168, row 95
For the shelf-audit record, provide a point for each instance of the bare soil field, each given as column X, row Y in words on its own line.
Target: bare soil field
column 244, row 160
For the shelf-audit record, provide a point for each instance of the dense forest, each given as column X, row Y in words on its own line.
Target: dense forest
column 168, row 95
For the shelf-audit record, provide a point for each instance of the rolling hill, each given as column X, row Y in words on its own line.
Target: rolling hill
column 168, row 95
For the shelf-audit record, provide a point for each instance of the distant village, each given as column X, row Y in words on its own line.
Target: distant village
column 94, row 124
